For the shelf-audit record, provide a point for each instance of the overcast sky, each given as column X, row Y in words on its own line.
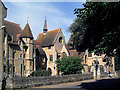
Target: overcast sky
column 59, row 14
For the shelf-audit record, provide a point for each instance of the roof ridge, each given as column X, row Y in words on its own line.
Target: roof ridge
column 56, row 35
column 26, row 32
column 52, row 30
column 11, row 22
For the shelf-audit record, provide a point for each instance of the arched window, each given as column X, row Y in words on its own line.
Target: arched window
column 60, row 40
column 64, row 55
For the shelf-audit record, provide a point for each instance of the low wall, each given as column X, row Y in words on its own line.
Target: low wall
column 25, row 82
column 118, row 73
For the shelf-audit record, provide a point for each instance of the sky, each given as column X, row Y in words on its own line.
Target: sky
column 58, row 14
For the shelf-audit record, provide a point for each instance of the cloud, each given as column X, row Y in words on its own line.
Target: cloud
column 37, row 12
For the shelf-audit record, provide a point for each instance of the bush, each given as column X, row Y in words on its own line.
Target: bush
column 39, row 73
column 69, row 65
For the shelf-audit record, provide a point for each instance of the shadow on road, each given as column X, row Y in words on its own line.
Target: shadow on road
column 104, row 83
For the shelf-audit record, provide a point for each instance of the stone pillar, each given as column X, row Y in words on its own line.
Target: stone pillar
column 12, row 57
column 22, row 61
column 1, row 58
column 96, row 69
column 55, row 58
column 7, row 54
column 105, row 68
column 34, row 59
column 3, row 14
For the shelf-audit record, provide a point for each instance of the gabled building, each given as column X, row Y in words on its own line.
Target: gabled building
column 3, row 14
column 88, row 57
column 22, row 54
column 53, row 43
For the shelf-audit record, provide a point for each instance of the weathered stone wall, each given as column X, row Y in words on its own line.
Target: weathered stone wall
column 25, row 82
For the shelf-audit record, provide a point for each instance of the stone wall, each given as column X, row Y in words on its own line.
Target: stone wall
column 24, row 82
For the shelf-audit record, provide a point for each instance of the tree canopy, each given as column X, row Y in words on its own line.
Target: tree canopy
column 69, row 65
column 97, row 28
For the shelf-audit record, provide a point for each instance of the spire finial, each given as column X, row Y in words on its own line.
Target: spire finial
column 27, row 20
column 45, row 26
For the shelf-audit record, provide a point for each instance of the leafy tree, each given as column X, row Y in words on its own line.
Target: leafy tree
column 117, row 63
column 97, row 28
column 69, row 65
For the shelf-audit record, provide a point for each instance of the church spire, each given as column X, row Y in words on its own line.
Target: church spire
column 45, row 27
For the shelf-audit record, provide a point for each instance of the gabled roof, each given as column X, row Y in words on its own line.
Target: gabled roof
column 74, row 53
column 49, row 38
column 36, row 45
column 26, row 33
column 4, row 5
column 12, row 29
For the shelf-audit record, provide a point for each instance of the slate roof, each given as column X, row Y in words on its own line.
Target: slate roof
column 12, row 29
column 36, row 45
column 49, row 38
column 26, row 33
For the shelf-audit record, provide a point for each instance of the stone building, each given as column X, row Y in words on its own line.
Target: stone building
column 53, row 43
column 106, row 64
column 3, row 14
column 21, row 53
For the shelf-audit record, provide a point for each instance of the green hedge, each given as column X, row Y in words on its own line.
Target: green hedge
column 39, row 73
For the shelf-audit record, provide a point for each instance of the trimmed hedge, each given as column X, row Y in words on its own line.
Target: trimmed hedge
column 39, row 73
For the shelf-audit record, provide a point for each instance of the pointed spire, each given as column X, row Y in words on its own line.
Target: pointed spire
column 26, row 33
column 45, row 26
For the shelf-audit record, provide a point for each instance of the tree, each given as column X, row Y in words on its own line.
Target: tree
column 69, row 65
column 117, row 63
column 97, row 28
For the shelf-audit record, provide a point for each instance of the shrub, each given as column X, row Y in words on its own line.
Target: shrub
column 39, row 73
column 69, row 65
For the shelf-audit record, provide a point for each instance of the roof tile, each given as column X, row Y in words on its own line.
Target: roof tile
column 49, row 38
column 26, row 33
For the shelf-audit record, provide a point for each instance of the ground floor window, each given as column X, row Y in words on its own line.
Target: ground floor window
column 51, row 57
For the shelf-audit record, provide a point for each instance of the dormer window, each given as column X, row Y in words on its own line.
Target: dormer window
column 60, row 40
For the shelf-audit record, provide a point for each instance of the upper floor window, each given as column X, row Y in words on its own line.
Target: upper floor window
column 51, row 57
column 26, row 39
column 89, row 54
column 20, row 55
column 19, row 42
column 30, row 63
column 49, row 47
column 24, row 55
column 60, row 40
